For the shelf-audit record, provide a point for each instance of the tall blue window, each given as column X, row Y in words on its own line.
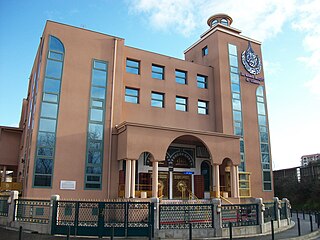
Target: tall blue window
column 236, row 101
column 264, row 139
column 46, row 139
column 95, row 137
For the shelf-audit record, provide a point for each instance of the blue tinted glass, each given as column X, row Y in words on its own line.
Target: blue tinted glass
column 50, row 97
column 232, row 49
column 55, row 55
column 54, row 69
column 234, row 78
column 49, row 110
column 99, row 77
column 262, row 120
column 202, row 104
column 157, row 103
column 261, row 109
column 201, row 85
column 99, row 65
column 235, row 87
column 97, row 104
column 260, row 91
column 131, row 92
column 157, row 75
column 131, row 99
column 236, row 95
column 181, row 100
column 263, row 137
column 94, row 157
column 95, row 131
column 157, row 69
column 181, row 74
column 238, row 131
column 181, row 80
column 132, row 70
column 224, row 22
column 236, row 104
column 201, row 79
column 96, row 115
column 157, row 96
column 47, row 125
column 202, row 111
column 44, row 151
column 233, row 61
column 264, row 148
column 44, row 166
column 265, row 157
column 95, row 145
column 97, row 92
column 181, row 108
column 132, row 63
column 46, row 139
column 95, row 170
column 241, row 146
column 55, row 44
column 51, row 85
column 237, row 116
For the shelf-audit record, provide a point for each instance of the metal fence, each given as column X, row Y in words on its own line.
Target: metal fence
column 102, row 218
column 178, row 216
column 240, row 215
column 283, row 210
column 4, row 206
column 33, row 211
column 270, row 211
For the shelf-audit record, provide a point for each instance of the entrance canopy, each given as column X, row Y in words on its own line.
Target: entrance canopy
column 135, row 138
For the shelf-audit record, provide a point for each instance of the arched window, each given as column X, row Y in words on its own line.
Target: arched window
column 214, row 22
column 264, row 139
column 46, row 139
column 206, row 173
column 224, row 22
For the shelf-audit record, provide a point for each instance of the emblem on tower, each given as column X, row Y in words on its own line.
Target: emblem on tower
column 251, row 61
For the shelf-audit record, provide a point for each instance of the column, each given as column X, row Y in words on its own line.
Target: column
column 234, row 181
column 154, row 179
column 4, row 174
column 128, row 179
column 170, row 184
column 133, row 179
column 216, row 180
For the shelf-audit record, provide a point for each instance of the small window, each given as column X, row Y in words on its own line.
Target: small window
column 224, row 22
column 205, row 51
column 157, row 100
column 132, row 95
column 181, row 104
column 133, row 66
column 214, row 22
column 181, row 77
column 157, row 72
column 203, row 107
column 202, row 81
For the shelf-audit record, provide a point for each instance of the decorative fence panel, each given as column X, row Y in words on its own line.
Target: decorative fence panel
column 270, row 211
column 33, row 211
column 178, row 216
column 4, row 206
column 240, row 215
column 101, row 218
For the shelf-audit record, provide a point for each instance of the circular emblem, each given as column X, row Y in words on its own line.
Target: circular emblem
column 251, row 61
column 181, row 186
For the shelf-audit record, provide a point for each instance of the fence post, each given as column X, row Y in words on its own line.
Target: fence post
column 217, row 216
column 156, row 213
column 52, row 214
column 190, row 231
column 230, row 230
column 14, row 195
column 272, row 230
column 260, row 213
column 288, row 210
column 311, row 226
column 277, row 204
column 299, row 230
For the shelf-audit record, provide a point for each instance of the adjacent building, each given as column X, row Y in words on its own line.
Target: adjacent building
column 105, row 120
column 312, row 158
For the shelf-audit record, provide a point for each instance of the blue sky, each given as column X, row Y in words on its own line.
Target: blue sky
column 289, row 31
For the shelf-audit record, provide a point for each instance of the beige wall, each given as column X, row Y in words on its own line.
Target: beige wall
column 9, row 146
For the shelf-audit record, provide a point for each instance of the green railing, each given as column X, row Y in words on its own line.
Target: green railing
column 4, row 206
column 33, row 211
column 270, row 211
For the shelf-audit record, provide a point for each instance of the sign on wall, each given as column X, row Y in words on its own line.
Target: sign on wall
column 67, row 185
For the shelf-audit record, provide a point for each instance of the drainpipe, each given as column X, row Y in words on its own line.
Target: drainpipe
column 111, row 115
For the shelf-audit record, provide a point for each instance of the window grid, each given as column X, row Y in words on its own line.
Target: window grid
column 46, row 138
column 133, row 66
column 181, row 104
column 157, row 99
column 203, row 107
column 236, row 101
column 205, row 51
column 264, row 140
column 95, row 134
column 132, row 95
column 157, row 72
column 181, row 77
column 202, row 81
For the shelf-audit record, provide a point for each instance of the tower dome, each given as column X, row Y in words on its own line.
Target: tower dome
column 221, row 18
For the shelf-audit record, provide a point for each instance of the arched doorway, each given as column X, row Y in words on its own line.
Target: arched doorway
column 225, row 177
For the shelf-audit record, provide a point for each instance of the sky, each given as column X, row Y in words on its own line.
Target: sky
column 288, row 29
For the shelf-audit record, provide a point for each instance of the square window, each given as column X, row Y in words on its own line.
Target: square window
column 132, row 95
column 181, row 77
column 202, row 81
column 157, row 72
column 133, row 66
column 205, row 51
column 203, row 107
column 181, row 104
column 157, row 100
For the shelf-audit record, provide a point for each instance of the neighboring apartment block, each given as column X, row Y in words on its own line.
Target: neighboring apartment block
column 105, row 120
column 312, row 158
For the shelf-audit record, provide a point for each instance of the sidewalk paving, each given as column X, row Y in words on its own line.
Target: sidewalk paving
column 292, row 233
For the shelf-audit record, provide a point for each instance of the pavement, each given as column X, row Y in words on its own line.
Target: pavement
column 289, row 234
